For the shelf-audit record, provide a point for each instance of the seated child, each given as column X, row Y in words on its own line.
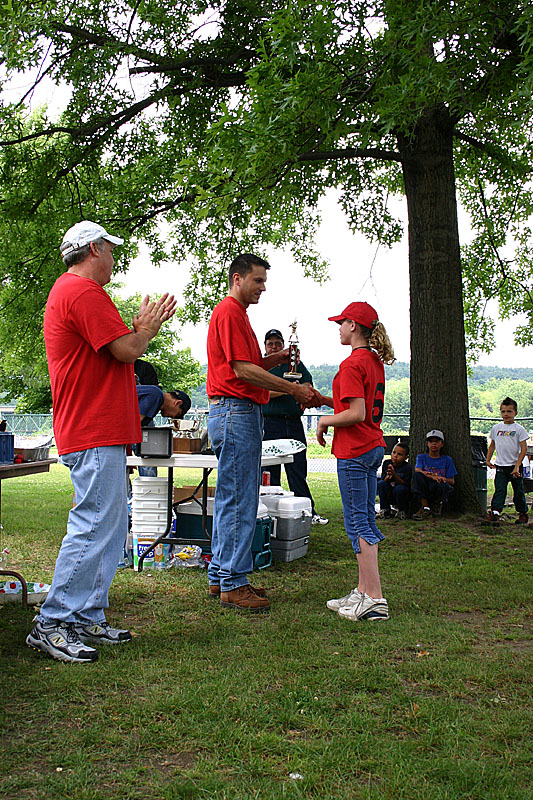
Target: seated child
column 434, row 477
column 509, row 439
column 394, row 486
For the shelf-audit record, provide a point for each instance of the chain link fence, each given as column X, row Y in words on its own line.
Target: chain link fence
column 318, row 458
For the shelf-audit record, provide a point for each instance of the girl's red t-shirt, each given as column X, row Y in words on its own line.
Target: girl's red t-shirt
column 361, row 375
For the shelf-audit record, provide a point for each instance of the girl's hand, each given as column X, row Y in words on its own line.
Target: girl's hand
column 321, row 429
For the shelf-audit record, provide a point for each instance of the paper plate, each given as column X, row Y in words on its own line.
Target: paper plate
column 282, row 447
column 11, row 592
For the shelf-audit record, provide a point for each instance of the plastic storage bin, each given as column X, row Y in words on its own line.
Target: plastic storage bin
column 189, row 531
column 149, row 488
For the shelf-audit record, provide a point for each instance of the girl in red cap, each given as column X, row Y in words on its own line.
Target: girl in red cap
column 358, row 444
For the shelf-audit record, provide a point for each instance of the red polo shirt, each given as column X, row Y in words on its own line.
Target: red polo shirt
column 231, row 338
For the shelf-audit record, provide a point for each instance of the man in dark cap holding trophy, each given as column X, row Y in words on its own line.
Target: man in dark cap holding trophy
column 283, row 420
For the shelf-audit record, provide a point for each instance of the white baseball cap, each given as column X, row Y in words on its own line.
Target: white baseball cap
column 436, row 433
column 83, row 233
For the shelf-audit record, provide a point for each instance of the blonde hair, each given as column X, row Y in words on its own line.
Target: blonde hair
column 379, row 341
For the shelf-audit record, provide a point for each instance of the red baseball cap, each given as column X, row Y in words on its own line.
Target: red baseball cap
column 362, row 313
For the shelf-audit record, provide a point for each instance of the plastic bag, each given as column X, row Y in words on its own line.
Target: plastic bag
column 188, row 556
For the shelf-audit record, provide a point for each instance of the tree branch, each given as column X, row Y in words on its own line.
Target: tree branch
column 192, row 63
column 492, row 150
column 108, row 39
column 348, row 153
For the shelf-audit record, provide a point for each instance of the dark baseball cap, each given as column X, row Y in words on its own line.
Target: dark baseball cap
column 274, row 332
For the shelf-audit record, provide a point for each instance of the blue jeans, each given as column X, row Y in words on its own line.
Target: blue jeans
column 398, row 494
column 289, row 428
column 358, row 485
column 432, row 491
column 96, row 530
column 236, row 431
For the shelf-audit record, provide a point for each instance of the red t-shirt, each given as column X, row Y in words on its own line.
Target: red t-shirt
column 360, row 375
column 230, row 338
column 94, row 395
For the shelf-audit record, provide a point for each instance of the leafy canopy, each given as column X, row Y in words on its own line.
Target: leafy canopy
column 230, row 120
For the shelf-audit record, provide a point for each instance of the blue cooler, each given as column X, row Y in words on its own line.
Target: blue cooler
column 189, row 530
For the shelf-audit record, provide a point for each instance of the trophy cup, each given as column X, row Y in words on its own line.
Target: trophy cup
column 293, row 355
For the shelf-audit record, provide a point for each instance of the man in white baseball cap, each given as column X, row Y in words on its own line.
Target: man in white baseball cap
column 90, row 352
column 82, row 234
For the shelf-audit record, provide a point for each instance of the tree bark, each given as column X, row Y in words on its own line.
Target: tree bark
column 439, row 394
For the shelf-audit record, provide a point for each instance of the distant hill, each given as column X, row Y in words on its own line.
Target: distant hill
column 323, row 375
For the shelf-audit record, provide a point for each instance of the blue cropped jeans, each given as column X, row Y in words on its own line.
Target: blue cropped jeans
column 236, row 430
column 358, row 486
column 96, row 530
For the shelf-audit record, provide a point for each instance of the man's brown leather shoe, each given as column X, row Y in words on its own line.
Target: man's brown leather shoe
column 214, row 590
column 244, row 599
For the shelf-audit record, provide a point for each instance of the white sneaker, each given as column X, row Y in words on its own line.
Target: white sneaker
column 352, row 598
column 318, row 520
column 369, row 609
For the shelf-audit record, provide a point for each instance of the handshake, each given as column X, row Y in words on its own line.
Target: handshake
column 315, row 400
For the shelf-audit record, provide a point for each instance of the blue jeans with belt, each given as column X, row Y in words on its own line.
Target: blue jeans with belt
column 235, row 428
column 289, row 428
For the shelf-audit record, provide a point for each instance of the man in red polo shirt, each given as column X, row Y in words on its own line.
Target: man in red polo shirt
column 90, row 354
column 238, row 384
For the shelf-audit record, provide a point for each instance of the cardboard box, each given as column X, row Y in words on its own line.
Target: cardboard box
column 183, row 445
column 184, row 492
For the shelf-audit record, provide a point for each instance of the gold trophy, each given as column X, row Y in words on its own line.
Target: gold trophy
column 293, row 355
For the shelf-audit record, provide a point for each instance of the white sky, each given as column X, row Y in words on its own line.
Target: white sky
column 358, row 271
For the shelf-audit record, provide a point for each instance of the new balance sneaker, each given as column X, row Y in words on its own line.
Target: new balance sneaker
column 368, row 609
column 102, row 633
column 352, row 598
column 318, row 520
column 61, row 642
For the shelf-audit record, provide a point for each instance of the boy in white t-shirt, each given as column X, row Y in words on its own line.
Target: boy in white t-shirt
column 509, row 439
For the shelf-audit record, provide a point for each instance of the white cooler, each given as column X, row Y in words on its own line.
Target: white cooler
column 292, row 525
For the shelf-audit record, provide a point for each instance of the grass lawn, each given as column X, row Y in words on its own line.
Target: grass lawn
column 433, row 705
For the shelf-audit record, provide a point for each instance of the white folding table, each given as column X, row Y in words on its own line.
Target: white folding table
column 207, row 463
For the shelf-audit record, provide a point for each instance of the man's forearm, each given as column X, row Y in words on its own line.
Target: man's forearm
column 251, row 373
column 129, row 347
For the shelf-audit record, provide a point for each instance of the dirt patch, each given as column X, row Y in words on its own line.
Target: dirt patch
column 503, row 630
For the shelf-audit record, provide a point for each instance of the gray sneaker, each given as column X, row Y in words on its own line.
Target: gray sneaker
column 102, row 633
column 61, row 642
column 318, row 520
column 352, row 598
column 368, row 608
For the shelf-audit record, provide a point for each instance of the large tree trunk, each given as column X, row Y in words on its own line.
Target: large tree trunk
column 439, row 397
